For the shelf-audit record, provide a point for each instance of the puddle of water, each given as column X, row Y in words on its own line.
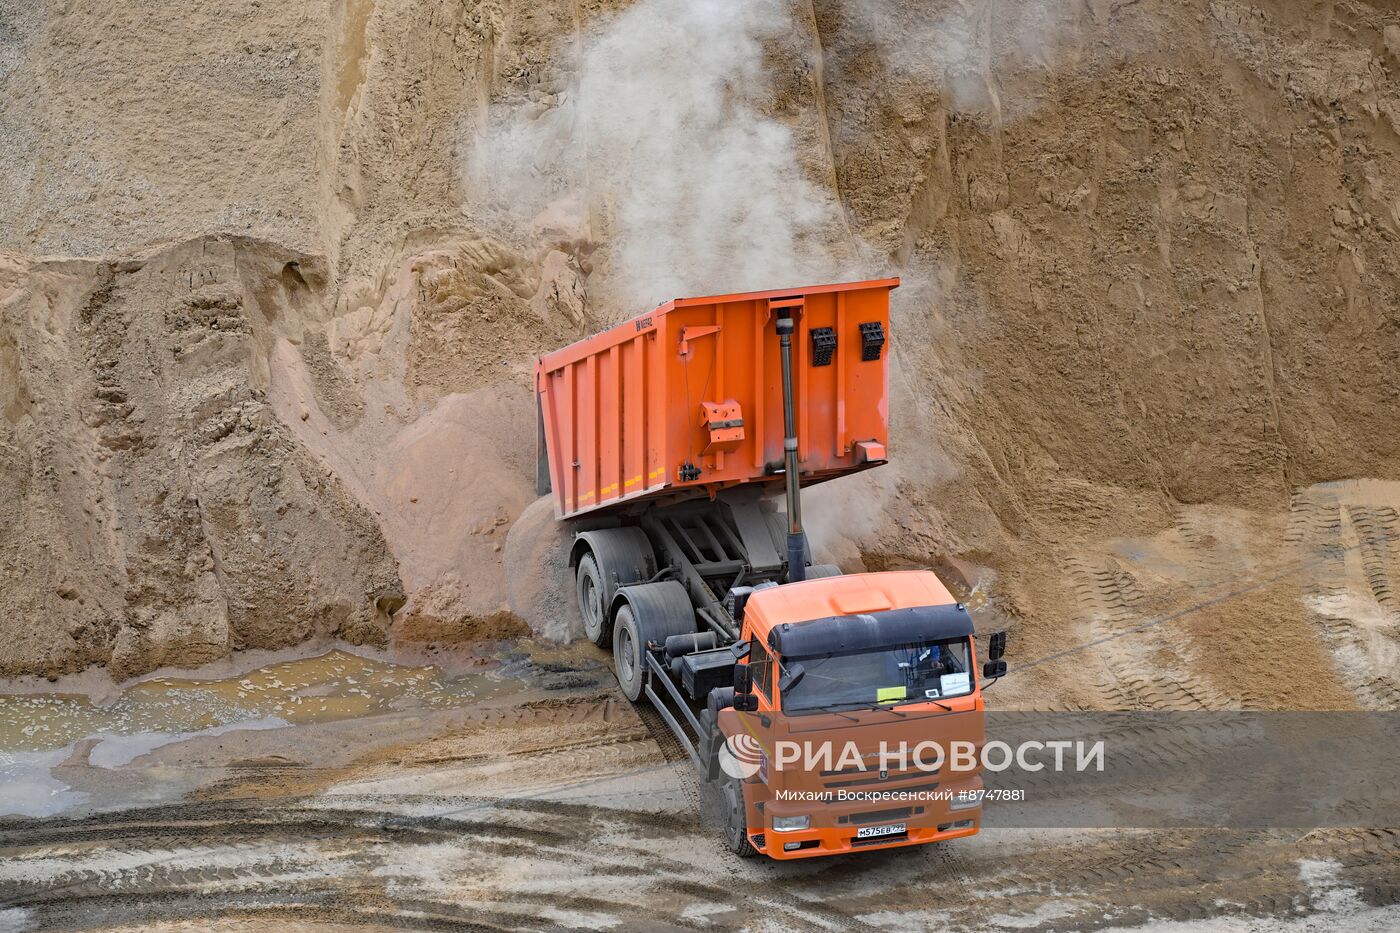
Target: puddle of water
column 113, row 751
column 40, row 731
column 28, row 789
column 334, row 686
column 15, row 919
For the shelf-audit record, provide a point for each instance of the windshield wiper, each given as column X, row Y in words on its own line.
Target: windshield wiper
column 853, row 706
column 874, row 706
column 929, row 699
column 877, row 706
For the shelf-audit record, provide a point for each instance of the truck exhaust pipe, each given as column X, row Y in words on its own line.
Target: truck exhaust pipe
column 796, row 539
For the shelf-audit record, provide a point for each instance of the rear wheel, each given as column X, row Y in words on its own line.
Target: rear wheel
column 822, row 571
column 588, row 590
column 736, row 820
column 652, row 612
column 628, row 650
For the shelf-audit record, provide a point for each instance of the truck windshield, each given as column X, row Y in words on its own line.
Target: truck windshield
column 913, row 673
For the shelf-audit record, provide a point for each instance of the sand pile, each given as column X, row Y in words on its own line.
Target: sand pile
column 156, row 509
column 1150, row 279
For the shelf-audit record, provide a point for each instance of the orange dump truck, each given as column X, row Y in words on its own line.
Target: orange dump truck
column 675, row 445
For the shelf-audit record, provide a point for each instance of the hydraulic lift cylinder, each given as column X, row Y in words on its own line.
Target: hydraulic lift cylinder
column 796, row 539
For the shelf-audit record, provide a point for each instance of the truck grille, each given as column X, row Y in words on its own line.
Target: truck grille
column 855, row 777
column 876, row 779
column 883, row 816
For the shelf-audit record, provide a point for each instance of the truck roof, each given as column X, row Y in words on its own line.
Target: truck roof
column 835, row 596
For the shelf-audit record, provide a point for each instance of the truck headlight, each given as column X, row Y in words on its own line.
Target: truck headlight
column 966, row 801
column 791, row 824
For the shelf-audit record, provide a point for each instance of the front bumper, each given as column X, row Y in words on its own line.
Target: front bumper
column 827, row 840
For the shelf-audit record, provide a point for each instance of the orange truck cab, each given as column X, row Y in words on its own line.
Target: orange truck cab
column 862, row 688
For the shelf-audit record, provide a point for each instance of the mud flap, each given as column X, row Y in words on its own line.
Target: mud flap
column 710, row 736
column 708, row 747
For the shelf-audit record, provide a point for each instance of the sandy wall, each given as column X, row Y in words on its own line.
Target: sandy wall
column 1150, row 293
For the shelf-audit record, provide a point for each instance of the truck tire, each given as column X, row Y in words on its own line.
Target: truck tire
column 822, row 571
column 605, row 559
column 736, row 820
column 588, row 590
column 650, row 612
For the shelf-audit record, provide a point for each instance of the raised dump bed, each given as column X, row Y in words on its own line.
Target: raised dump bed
column 687, row 400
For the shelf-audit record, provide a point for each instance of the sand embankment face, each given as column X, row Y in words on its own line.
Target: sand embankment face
column 276, row 383
column 157, row 511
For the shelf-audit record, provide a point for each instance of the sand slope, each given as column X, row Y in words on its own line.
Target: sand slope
column 278, row 382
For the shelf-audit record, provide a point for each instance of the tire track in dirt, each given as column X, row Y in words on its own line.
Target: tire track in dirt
column 307, row 859
column 1377, row 529
column 350, row 861
column 674, row 753
column 1202, row 875
column 1205, row 549
column 286, row 854
column 707, row 805
column 1139, row 671
column 1350, row 590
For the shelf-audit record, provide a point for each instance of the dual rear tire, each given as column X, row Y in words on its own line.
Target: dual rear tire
column 648, row 613
column 605, row 560
column 618, row 609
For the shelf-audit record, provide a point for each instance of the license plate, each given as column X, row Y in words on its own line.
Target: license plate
column 874, row 832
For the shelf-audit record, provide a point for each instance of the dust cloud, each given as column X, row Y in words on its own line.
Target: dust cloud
column 699, row 189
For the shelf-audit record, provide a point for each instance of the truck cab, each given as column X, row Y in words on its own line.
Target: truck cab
column 850, row 692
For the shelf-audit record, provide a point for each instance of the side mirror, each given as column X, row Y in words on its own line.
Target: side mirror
column 740, row 650
column 996, row 645
column 745, row 703
column 743, row 680
column 791, row 679
column 994, row 669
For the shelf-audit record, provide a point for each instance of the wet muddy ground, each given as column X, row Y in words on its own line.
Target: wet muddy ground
column 520, row 792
